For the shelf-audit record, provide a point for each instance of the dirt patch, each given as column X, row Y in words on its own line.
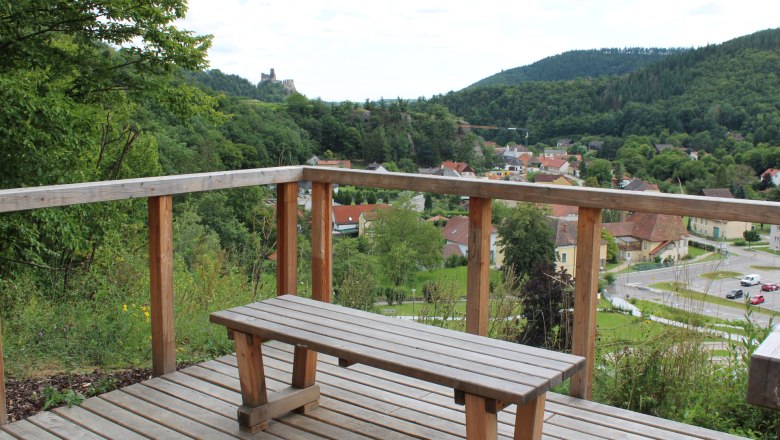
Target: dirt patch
column 26, row 397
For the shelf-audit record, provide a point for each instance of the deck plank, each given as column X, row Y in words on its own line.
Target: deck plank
column 129, row 420
column 61, row 427
column 96, row 423
column 26, row 430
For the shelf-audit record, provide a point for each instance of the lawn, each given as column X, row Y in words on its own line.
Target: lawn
column 721, row 275
column 684, row 292
column 455, row 275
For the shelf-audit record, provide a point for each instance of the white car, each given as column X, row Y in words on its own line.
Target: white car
column 750, row 280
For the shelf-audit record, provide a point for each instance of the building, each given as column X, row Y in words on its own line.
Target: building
column 774, row 238
column 346, row 218
column 774, row 174
column 717, row 229
column 456, row 240
column 552, row 165
column 640, row 185
column 566, row 245
column 462, row 168
column 645, row 237
column 287, row 84
column 376, row 167
column 553, row 179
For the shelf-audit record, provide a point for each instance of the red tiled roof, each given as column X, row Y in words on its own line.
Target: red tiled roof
column 437, row 218
column 771, row 171
column 457, row 230
column 457, row 166
column 650, row 227
column 660, row 247
column 550, row 178
column 564, row 210
column 717, row 192
column 552, row 163
column 451, row 249
column 346, row 214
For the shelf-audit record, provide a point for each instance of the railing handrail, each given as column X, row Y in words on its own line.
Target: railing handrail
column 21, row 199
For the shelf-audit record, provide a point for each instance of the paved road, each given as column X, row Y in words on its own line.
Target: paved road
column 740, row 260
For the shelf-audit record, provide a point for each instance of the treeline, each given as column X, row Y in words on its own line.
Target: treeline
column 574, row 64
column 704, row 93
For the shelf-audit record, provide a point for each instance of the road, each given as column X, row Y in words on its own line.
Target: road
column 740, row 260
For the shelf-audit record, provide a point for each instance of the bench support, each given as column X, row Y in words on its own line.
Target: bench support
column 481, row 424
column 530, row 418
column 257, row 408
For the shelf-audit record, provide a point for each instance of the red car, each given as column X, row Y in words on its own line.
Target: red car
column 769, row 287
column 756, row 299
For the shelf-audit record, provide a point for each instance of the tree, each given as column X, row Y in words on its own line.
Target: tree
column 399, row 224
column 601, row 169
column 527, row 238
column 751, row 236
column 428, row 202
column 548, row 298
column 612, row 248
column 398, row 263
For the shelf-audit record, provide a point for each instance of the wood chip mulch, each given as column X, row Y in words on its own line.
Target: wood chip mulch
column 25, row 397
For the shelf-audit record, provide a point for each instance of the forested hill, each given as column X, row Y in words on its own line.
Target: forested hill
column 700, row 94
column 574, row 64
column 235, row 85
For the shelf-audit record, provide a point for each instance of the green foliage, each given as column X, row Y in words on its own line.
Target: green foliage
column 54, row 397
column 580, row 64
column 527, row 239
column 399, row 231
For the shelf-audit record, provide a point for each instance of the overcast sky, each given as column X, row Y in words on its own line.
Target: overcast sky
column 353, row 50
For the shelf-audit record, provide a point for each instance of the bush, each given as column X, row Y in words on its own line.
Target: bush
column 456, row 261
column 609, row 277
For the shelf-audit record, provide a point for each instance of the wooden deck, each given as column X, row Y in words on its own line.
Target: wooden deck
column 357, row 402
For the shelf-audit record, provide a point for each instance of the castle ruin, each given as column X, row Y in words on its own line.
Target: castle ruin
column 288, row 84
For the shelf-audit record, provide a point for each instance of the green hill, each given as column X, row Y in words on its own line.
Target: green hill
column 574, row 64
column 703, row 94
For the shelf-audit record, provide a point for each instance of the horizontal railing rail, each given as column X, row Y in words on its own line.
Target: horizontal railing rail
column 481, row 193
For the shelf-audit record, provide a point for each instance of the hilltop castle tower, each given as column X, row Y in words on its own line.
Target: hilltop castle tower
column 288, row 84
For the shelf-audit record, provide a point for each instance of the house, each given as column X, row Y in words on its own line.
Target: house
column 376, row 167
column 552, row 152
column 312, row 161
column 645, row 237
column 461, row 167
column 564, row 143
column 514, row 165
column 456, row 240
column 334, row 163
column 346, row 218
column 595, row 145
column 554, row 179
column 564, row 212
column 566, row 245
column 439, row 172
column 774, row 238
column 715, row 228
column 659, row 148
column 552, row 165
column 515, row 152
column 774, row 174
column 636, row 184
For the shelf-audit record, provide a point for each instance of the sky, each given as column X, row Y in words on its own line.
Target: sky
column 357, row 50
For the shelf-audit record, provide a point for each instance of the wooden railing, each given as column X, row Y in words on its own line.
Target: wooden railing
column 591, row 202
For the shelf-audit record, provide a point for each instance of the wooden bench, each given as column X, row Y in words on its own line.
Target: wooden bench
column 485, row 374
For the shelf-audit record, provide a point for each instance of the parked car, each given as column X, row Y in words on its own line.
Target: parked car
column 756, row 299
column 750, row 280
column 735, row 294
column 770, row 287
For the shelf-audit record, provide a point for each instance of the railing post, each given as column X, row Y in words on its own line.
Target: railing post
column 160, row 211
column 321, row 241
column 585, row 293
column 478, row 283
column 287, row 238
column 305, row 361
column 3, row 411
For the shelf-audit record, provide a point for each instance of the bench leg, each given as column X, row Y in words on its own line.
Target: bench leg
column 481, row 424
column 303, row 375
column 530, row 418
column 251, row 376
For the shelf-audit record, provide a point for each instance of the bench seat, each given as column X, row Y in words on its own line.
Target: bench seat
column 486, row 372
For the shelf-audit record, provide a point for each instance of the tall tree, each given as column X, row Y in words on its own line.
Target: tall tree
column 527, row 238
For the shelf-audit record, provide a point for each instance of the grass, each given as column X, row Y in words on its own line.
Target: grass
column 695, row 252
column 456, row 275
column 765, row 267
column 624, row 327
column 721, row 275
column 409, row 308
column 766, row 249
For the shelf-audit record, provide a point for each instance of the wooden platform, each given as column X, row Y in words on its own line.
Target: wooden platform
column 357, row 402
